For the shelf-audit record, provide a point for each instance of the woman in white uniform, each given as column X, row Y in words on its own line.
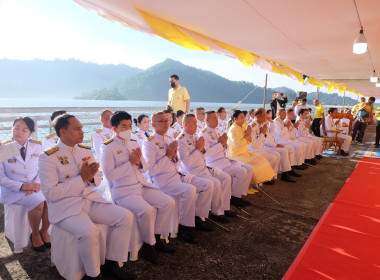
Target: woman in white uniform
column 20, row 182
column 143, row 123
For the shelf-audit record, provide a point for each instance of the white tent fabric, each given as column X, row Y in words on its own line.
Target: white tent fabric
column 292, row 37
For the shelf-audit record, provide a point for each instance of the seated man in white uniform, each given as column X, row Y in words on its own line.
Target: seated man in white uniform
column 160, row 152
column 104, row 133
column 171, row 131
column 178, row 125
column 259, row 134
column 330, row 125
column 68, row 174
column 303, row 132
column 282, row 136
column 287, row 152
column 222, row 120
column 240, row 172
column 122, row 164
column 191, row 151
column 143, row 133
column 293, row 130
column 51, row 139
column 200, row 114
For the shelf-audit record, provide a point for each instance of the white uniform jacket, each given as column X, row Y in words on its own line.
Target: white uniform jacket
column 200, row 125
column 124, row 179
column 281, row 132
column 222, row 125
column 140, row 136
column 258, row 138
column 49, row 141
column 15, row 171
column 270, row 141
column 302, row 131
column 99, row 137
column 61, row 183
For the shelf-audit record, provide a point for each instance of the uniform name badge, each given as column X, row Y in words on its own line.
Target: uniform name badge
column 63, row 160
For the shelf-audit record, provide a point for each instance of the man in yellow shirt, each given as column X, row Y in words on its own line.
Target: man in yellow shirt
column 355, row 109
column 362, row 117
column 318, row 114
column 377, row 121
column 179, row 98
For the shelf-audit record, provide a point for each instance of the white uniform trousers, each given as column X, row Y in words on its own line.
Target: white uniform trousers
column 299, row 150
column 272, row 156
column 346, row 140
column 153, row 210
column 241, row 175
column 284, row 165
column 205, row 190
column 221, row 197
column 310, row 147
column 318, row 143
column 83, row 227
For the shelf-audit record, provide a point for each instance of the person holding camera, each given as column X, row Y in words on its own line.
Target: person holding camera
column 279, row 100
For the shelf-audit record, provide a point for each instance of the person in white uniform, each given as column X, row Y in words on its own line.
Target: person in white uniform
column 200, row 114
column 259, row 134
column 293, row 130
column 191, row 150
column 104, row 133
column 195, row 194
column 330, row 125
column 222, row 119
column 215, row 155
column 143, row 123
column 51, row 139
column 282, row 136
column 20, row 182
column 298, row 107
column 122, row 164
column 68, row 174
column 171, row 131
column 178, row 125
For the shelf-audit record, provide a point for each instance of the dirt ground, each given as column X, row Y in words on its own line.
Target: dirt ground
column 261, row 247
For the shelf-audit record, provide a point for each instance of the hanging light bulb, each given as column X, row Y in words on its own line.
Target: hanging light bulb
column 374, row 77
column 360, row 43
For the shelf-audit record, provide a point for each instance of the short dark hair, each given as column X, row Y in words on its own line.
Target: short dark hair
column 208, row 113
column 118, row 116
column 61, row 122
column 332, row 109
column 167, row 111
column 220, row 110
column 269, row 111
column 301, row 112
column 187, row 116
column 245, row 112
column 372, row 98
column 140, row 118
column 199, row 109
column 175, row 77
column 259, row 111
column 180, row 113
column 57, row 113
column 289, row 110
column 251, row 111
column 304, row 100
column 28, row 121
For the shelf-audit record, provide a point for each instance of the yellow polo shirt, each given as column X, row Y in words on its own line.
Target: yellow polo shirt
column 378, row 116
column 319, row 110
column 177, row 98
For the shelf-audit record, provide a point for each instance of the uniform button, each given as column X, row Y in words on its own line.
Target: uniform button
column 26, row 176
column 24, row 167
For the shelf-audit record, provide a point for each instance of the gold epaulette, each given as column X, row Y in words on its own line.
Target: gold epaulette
column 173, row 125
column 204, row 130
column 7, row 142
column 84, row 146
column 132, row 140
column 35, row 141
column 99, row 130
column 253, row 124
column 50, row 135
column 51, row 151
column 108, row 141
column 134, row 132
column 150, row 137
column 181, row 136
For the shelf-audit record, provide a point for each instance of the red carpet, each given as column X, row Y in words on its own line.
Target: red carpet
column 345, row 244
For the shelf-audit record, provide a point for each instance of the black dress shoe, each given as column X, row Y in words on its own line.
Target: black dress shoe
column 148, row 252
column 111, row 268
column 305, row 166
column 293, row 173
column 230, row 214
column 246, row 202
column 285, row 177
column 164, row 247
column 271, row 182
column 376, row 145
column 343, row 153
column 185, row 233
column 201, row 225
column 47, row 244
column 311, row 161
column 219, row 218
column 235, row 201
column 319, row 157
column 99, row 277
column 299, row 167
column 41, row 248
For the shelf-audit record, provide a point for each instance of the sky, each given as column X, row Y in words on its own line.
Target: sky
column 62, row 29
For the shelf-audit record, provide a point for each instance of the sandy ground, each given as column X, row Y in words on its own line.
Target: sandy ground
column 261, row 247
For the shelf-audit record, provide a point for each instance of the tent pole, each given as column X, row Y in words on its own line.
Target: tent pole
column 344, row 100
column 265, row 89
column 317, row 97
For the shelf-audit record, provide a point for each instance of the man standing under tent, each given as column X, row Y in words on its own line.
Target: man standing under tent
column 179, row 98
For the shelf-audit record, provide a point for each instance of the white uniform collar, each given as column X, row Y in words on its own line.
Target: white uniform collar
column 64, row 147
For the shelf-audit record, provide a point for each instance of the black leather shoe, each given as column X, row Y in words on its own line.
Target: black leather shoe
column 47, row 244
column 305, row 166
column 41, row 248
column 293, row 174
column 235, row 201
column 319, row 157
column 148, row 252
column 99, row 277
column 246, row 202
column 185, row 234
column 311, row 161
column 230, row 214
column 285, row 177
column 271, row 182
column 201, row 225
column 343, row 153
column 219, row 218
column 299, row 167
column 164, row 247
column 112, row 269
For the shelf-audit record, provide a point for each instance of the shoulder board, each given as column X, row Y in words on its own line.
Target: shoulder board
column 84, row 146
column 150, row 137
column 181, row 136
column 7, row 142
column 204, row 130
column 50, row 135
column 51, row 151
column 132, row 140
column 108, row 141
column 134, row 132
column 173, row 125
column 99, row 130
column 35, row 141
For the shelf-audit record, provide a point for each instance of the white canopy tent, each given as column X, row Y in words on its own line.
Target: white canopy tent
column 293, row 37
